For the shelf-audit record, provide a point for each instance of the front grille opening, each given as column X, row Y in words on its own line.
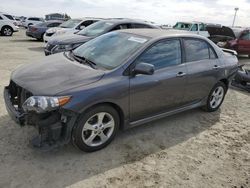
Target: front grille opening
column 18, row 95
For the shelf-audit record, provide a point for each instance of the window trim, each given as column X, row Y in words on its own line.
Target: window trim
column 155, row 43
column 192, row 38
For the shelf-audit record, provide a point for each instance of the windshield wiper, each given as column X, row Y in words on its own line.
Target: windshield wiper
column 84, row 60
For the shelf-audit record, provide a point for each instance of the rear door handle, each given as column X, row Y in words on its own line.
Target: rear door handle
column 180, row 74
column 216, row 67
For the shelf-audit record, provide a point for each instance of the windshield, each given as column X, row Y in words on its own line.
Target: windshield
column 110, row 50
column 182, row 26
column 96, row 29
column 70, row 23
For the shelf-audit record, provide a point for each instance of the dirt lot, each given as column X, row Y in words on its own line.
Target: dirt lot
column 191, row 149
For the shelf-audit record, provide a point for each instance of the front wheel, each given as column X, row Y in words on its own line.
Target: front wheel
column 216, row 97
column 96, row 128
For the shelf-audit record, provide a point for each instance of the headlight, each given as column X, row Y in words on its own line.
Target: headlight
column 60, row 32
column 41, row 104
column 62, row 47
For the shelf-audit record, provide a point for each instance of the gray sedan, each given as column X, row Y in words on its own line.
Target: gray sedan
column 37, row 31
column 116, row 81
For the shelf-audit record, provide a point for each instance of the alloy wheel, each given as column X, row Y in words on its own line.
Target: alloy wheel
column 98, row 129
column 7, row 31
column 217, row 97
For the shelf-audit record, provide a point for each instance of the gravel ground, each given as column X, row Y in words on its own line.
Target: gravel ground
column 191, row 149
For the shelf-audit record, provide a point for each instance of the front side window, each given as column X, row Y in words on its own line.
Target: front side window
column 194, row 27
column 197, row 50
column 162, row 54
column 110, row 50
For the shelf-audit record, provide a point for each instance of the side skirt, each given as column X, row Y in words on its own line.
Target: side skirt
column 166, row 114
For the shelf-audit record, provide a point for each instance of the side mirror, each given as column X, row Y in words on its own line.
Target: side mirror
column 82, row 27
column 144, row 68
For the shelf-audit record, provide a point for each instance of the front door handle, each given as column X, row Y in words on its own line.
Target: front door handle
column 216, row 67
column 180, row 74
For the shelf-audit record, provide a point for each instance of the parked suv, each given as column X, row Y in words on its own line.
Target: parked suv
column 32, row 21
column 70, row 42
column 8, row 24
column 193, row 27
column 118, row 80
column 69, row 27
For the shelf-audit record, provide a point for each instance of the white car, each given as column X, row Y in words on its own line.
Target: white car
column 32, row 21
column 193, row 27
column 7, row 24
column 69, row 27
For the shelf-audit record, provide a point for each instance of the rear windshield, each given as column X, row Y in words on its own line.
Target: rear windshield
column 42, row 24
column 70, row 23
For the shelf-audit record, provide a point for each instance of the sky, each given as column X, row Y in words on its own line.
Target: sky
column 159, row 11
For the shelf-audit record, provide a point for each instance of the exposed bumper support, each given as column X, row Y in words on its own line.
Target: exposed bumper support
column 54, row 128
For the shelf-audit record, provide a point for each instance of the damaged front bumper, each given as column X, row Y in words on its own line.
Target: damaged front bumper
column 54, row 128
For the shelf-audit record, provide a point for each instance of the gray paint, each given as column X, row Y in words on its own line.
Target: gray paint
column 142, row 97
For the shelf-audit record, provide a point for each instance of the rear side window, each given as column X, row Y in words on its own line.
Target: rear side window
column 120, row 26
column 196, row 50
column 1, row 18
column 163, row 54
column 53, row 24
column 9, row 16
column 34, row 19
column 135, row 25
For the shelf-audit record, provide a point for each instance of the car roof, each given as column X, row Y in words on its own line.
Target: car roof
column 127, row 20
column 159, row 33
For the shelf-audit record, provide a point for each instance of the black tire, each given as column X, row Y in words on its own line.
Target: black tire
column 208, row 107
column 77, row 133
column 7, row 28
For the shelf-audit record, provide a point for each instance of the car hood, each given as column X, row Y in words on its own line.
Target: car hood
column 69, row 39
column 55, row 74
column 220, row 31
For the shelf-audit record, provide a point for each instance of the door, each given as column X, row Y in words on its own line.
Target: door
column 164, row 90
column 203, row 68
column 244, row 43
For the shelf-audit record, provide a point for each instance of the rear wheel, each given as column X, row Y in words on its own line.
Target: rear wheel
column 96, row 128
column 216, row 97
column 7, row 31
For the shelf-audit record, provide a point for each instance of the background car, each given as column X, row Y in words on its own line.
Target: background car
column 193, row 27
column 8, row 24
column 116, row 81
column 69, row 27
column 237, row 39
column 37, row 31
column 32, row 21
column 70, row 42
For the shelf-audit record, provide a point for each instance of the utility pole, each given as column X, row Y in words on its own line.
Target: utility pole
column 236, row 10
